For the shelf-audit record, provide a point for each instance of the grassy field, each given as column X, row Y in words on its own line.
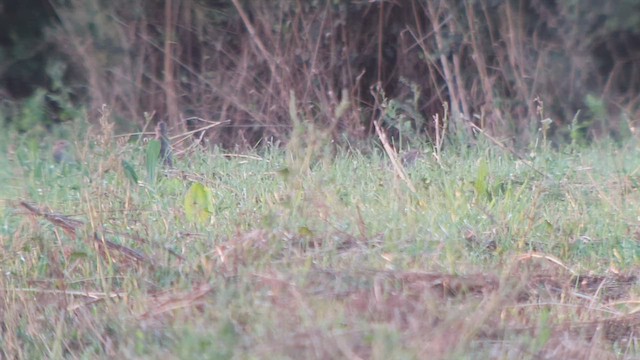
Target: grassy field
column 311, row 254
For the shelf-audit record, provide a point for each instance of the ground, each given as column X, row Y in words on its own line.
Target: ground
column 303, row 253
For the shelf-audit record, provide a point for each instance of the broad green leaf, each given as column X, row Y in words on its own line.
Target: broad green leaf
column 198, row 204
column 153, row 157
column 482, row 179
column 284, row 172
column 77, row 255
column 130, row 172
column 304, row 231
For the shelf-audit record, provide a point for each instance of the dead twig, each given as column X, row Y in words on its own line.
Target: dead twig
column 127, row 252
column 70, row 227
column 67, row 224
column 508, row 149
column 393, row 156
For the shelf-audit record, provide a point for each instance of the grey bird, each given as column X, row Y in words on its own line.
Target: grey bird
column 63, row 153
column 411, row 157
column 162, row 135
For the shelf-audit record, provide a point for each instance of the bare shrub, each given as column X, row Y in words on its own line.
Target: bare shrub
column 194, row 61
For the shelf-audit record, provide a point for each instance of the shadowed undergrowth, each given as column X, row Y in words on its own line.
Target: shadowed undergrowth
column 314, row 254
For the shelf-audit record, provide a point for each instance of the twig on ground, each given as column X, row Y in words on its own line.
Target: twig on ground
column 393, row 156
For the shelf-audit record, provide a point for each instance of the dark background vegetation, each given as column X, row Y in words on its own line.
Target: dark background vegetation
column 505, row 65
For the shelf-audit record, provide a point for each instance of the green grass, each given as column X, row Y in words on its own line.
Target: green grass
column 320, row 256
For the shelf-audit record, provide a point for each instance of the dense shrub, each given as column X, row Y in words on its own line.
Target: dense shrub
column 505, row 65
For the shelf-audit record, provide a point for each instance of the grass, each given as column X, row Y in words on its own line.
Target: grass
column 309, row 255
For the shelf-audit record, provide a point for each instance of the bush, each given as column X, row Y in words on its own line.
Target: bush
column 239, row 61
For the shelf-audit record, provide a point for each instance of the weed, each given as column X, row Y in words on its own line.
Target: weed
column 337, row 257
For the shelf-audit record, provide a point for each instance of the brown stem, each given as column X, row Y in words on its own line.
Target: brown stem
column 169, row 81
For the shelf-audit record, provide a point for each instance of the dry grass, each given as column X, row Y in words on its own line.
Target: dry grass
column 238, row 62
column 316, row 254
column 461, row 248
